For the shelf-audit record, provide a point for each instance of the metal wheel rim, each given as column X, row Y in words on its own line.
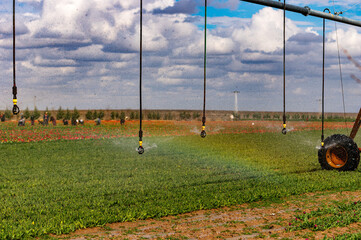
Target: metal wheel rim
column 336, row 156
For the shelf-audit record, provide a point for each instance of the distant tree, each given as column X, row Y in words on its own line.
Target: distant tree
column 67, row 114
column 75, row 114
column 184, row 115
column 132, row 115
column 8, row 114
column 89, row 115
column 168, row 116
column 150, row 116
column 296, row 117
column 101, row 114
column 122, row 115
column 26, row 113
column 267, row 116
column 256, row 116
column 113, row 115
column 60, row 114
column 95, row 114
column 157, row 116
column 236, row 116
column 36, row 113
column 196, row 115
column 117, row 115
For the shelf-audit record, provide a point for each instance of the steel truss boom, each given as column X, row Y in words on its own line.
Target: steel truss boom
column 306, row 11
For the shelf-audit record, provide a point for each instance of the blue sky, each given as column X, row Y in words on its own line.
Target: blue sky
column 85, row 54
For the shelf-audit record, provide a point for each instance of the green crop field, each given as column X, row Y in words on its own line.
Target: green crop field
column 58, row 186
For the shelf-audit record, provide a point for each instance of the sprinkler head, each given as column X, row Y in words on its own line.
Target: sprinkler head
column 203, row 134
column 284, row 131
column 16, row 110
column 140, row 150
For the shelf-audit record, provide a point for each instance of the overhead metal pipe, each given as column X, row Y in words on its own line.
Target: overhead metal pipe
column 306, row 11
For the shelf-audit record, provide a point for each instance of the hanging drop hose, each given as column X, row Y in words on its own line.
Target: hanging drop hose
column 323, row 80
column 203, row 132
column 16, row 109
column 140, row 148
column 284, row 130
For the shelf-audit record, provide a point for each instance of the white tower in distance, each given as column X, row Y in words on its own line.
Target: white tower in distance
column 235, row 101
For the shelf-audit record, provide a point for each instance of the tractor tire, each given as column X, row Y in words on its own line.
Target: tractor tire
column 340, row 153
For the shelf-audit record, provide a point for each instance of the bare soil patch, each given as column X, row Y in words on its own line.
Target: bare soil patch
column 258, row 220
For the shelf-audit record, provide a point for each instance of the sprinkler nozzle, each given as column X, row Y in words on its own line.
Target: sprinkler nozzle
column 16, row 109
column 140, row 150
column 284, row 131
column 203, row 134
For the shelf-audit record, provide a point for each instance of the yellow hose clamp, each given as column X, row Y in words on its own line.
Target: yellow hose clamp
column 284, row 125
column 203, row 128
column 140, row 143
column 322, row 144
column 15, row 101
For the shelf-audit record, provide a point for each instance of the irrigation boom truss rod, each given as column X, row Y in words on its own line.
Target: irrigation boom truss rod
column 306, row 11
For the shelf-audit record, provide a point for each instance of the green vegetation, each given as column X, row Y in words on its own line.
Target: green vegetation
column 67, row 115
column 153, row 116
column 347, row 236
column 60, row 186
column 168, row 116
column 338, row 215
column 8, row 114
column 60, row 114
column 26, row 113
column 184, row 115
column 35, row 114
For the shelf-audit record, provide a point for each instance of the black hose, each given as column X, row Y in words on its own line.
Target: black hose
column 16, row 109
column 284, row 130
column 323, row 80
column 140, row 148
column 203, row 132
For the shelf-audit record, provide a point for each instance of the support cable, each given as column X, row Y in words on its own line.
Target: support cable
column 284, row 130
column 340, row 66
column 140, row 148
column 203, row 132
column 323, row 79
column 16, row 109
column 341, row 78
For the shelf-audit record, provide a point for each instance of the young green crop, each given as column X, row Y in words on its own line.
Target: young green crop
column 60, row 186
column 337, row 215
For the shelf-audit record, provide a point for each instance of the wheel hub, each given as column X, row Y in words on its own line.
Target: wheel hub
column 336, row 156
